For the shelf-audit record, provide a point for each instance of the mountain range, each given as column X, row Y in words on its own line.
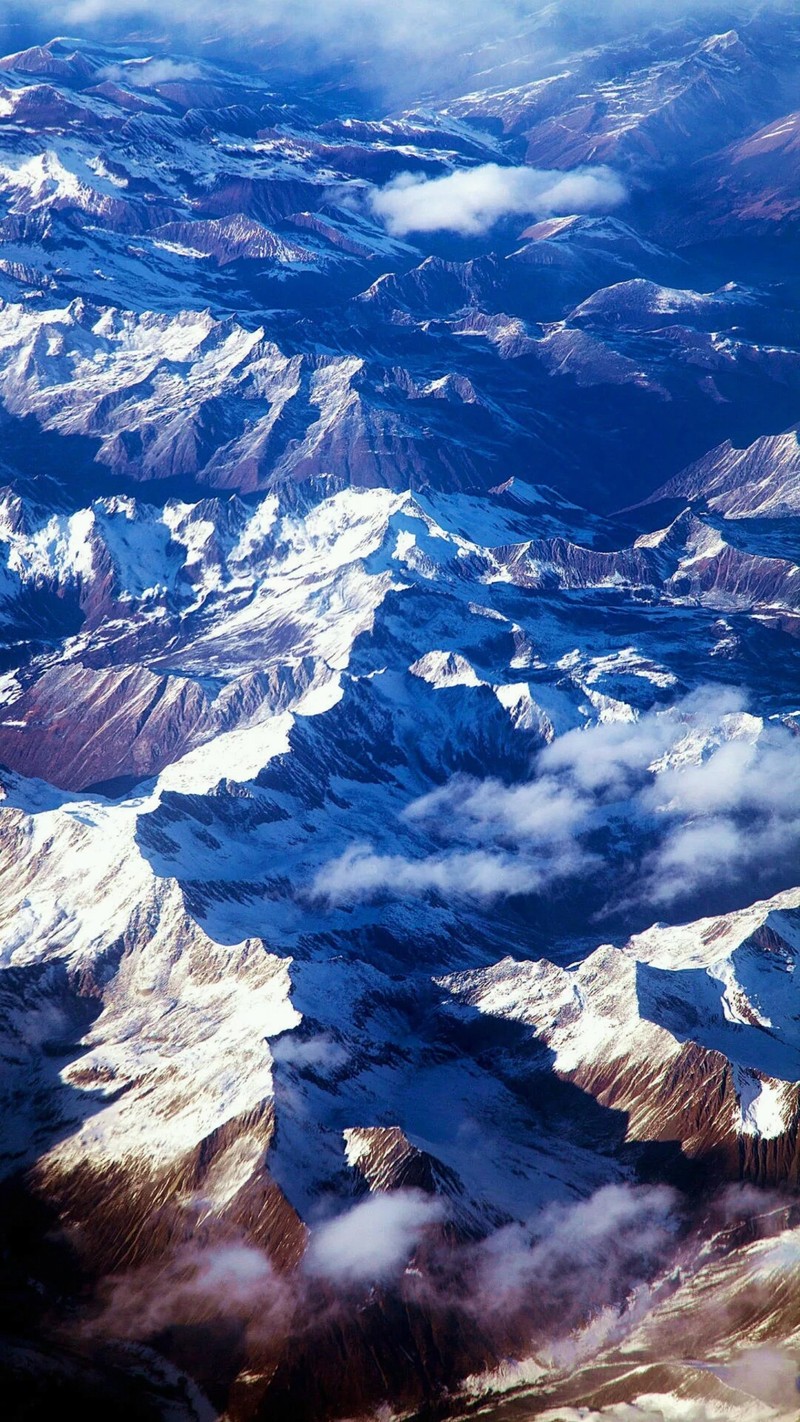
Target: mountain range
column 399, row 716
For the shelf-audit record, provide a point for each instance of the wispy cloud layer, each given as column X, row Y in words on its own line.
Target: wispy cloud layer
column 472, row 200
column 664, row 807
column 572, row 1256
column 579, row 1255
column 343, row 27
column 423, row 31
column 362, row 874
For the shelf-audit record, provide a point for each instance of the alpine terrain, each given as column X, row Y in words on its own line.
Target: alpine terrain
column 400, row 712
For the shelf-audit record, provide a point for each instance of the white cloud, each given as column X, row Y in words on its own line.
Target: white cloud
column 731, row 813
column 420, row 28
column 148, row 73
column 360, row 874
column 540, row 810
column 197, row 1283
column 567, row 1283
column 369, row 28
column 700, row 795
column 320, row 1051
column 738, row 775
column 375, row 1239
column 576, row 1255
column 609, row 756
column 471, row 200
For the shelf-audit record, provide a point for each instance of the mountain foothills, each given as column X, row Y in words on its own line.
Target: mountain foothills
column 399, row 717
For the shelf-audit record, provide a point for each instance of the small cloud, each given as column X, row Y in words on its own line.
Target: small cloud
column 196, row 1284
column 541, row 810
column 470, row 201
column 579, row 1253
column 320, row 1051
column 149, row 73
column 609, row 757
column 374, row 1240
column 361, row 874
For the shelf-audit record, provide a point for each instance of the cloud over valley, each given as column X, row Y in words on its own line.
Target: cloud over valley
column 657, row 809
column 470, row 201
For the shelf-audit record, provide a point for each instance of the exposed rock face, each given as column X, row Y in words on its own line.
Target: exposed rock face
column 96, row 726
column 751, row 187
column 712, row 1063
column 761, row 481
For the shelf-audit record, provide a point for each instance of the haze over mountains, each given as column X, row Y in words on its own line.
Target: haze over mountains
column 399, row 711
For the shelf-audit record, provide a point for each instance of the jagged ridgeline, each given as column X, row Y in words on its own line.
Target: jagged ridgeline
column 399, row 712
